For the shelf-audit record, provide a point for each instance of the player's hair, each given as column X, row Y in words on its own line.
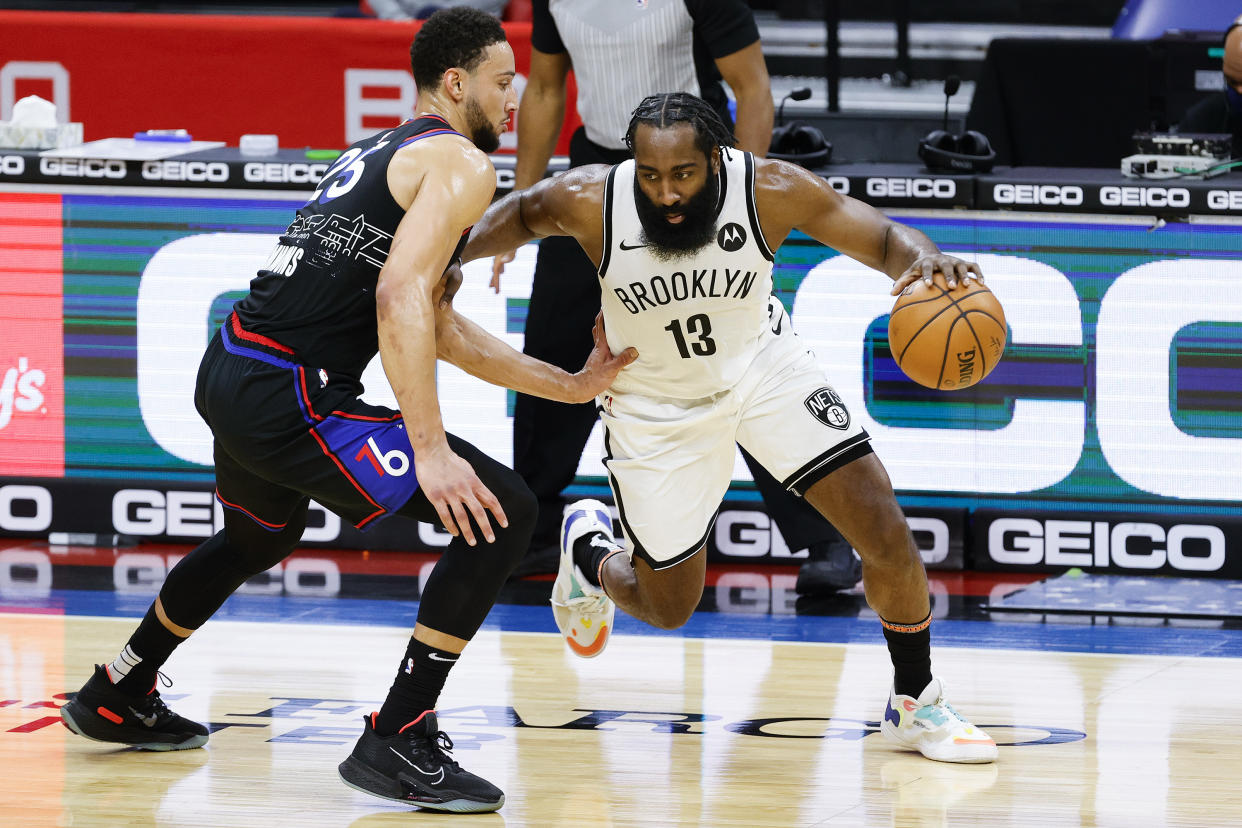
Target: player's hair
column 454, row 37
column 669, row 108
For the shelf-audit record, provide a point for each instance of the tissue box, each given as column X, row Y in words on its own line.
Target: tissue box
column 21, row 136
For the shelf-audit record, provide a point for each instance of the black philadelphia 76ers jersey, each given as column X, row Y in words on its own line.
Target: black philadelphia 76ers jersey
column 316, row 293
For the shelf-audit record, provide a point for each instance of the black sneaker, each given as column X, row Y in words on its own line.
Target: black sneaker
column 833, row 567
column 100, row 711
column 412, row 766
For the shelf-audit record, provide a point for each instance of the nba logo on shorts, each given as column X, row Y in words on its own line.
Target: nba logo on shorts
column 827, row 407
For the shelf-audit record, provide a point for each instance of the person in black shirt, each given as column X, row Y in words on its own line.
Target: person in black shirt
column 363, row 268
column 1221, row 112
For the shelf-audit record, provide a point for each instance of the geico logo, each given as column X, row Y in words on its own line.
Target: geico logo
column 1069, row 195
column 1189, row 547
column 1145, row 196
column 912, row 187
column 12, row 165
column 505, row 179
column 752, row 592
column 214, row 171
column 747, row 534
column 271, row 172
column 144, row 573
column 25, row 508
column 25, row 573
column 83, row 167
column 147, row 512
column 1224, row 199
column 839, row 183
column 751, row 534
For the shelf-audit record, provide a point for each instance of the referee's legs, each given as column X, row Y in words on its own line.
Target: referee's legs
column 548, row 437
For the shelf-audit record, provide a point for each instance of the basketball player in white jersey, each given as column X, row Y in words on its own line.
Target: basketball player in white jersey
column 683, row 236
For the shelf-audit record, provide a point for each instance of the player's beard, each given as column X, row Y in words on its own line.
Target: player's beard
column 482, row 131
column 698, row 221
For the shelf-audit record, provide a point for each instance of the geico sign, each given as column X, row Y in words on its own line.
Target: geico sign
column 146, row 512
column 911, row 187
column 752, row 534
column 1188, row 547
column 1042, row 443
column 83, row 167
column 143, row 573
column 271, row 172
column 834, row 309
column 25, row 508
column 213, row 171
column 1047, row 194
column 1145, row 196
column 1224, row 200
column 12, row 165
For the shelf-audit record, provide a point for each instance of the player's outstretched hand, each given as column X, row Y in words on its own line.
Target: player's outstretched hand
column 498, row 267
column 951, row 269
column 602, row 366
column 457, row 494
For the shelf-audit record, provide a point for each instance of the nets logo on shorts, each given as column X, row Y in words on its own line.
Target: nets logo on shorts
column 731, row 237
column 827, row 407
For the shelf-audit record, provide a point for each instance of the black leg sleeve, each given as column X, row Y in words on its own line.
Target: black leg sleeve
column 201, row 581
column 466, row 580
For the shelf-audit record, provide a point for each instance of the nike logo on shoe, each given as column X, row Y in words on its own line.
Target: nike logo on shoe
column 602, row 542
column 149, row 721
column 438, row 775
column 625, row 246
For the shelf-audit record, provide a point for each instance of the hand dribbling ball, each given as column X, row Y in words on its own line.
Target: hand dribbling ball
column 947, row 339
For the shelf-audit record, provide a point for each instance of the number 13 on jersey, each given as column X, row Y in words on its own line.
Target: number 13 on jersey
column 698, row 326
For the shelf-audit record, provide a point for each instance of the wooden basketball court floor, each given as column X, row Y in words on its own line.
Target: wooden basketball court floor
column 756, row 714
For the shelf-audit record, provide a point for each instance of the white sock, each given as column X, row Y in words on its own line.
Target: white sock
column 125, row 661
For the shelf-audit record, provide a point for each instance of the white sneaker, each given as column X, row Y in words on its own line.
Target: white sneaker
column 583, row 612
column 930, row 725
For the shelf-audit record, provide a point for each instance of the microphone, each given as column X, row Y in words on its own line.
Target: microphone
column 951, row 84
column 799, row 94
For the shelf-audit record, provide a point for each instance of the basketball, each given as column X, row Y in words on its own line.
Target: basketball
column 947, row 339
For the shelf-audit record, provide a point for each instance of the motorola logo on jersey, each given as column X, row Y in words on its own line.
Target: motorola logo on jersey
column 731, row 237
column 827, row 407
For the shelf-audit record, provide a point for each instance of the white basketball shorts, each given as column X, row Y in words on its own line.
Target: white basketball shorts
column 670, row 461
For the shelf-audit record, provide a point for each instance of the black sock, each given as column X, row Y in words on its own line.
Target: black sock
column 590, row 551
column 909, row 646
column 416, row 687
column 133, row 671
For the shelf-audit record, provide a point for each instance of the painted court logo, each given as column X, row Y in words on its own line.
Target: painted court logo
column 827, row 407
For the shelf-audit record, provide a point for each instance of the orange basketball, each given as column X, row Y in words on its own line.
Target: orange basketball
column 947, row 339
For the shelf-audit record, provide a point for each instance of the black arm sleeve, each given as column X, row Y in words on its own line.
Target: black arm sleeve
column 543, row 32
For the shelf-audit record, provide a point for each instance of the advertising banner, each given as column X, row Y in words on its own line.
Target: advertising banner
column 1117, row 401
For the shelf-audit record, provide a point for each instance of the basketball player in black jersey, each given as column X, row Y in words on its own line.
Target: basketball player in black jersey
column 364, row 267
column 733, row 371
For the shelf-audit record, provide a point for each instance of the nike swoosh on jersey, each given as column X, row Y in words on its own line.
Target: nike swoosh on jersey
column 625, row 246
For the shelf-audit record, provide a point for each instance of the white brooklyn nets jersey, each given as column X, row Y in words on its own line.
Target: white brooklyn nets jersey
column 696, row 320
